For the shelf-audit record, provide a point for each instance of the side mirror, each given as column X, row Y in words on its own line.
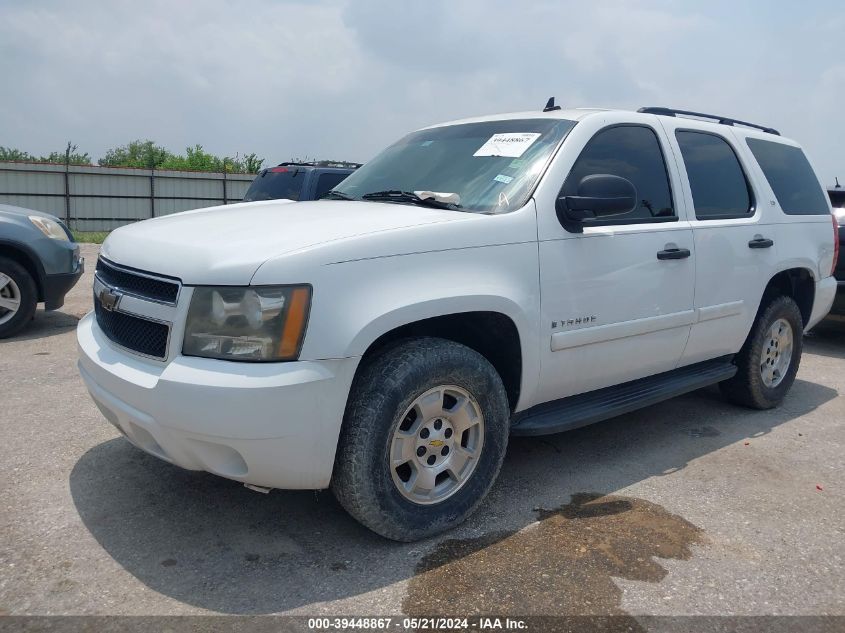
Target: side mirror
column 599, row 195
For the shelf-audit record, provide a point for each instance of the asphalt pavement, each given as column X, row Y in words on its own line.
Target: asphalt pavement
column 692, row 506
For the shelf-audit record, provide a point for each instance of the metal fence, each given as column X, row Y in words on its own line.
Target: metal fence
column 103, row 198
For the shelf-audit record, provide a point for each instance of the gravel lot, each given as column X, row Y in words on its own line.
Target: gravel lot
column 689, row 507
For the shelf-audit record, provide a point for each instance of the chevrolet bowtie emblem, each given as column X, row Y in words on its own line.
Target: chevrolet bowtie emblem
column 110, row 299
column 436, row 443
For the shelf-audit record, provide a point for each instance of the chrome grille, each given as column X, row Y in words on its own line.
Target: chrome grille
column 135, row 333
column 138, row 283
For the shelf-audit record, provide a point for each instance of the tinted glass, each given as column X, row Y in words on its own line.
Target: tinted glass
column 719, row 187
column 326, row 182
column 837, row 198
column 791, row 178
column 493, row 165
column 276, row 183
column 632, row 152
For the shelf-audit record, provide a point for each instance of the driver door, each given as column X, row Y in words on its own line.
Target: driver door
column 614, row 308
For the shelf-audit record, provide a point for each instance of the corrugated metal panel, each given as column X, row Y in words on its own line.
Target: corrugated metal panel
column 166, row 207
column 107, row 208
column 190, row 188
column 32, row 182
column 99, row 225
column 238, row 188
column 47, row 204
column 102, row 198
column 109, row 185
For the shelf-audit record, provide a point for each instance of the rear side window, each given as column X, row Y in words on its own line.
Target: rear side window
column 327, row 181
column 276, row 183
column 632, row 152
column 719, row 187
column 791, row 178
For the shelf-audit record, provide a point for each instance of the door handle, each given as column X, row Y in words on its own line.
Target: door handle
column 760, row 242
column 673, row 253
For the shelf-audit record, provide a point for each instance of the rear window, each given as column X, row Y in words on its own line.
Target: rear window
column 718, row 184
column 791, row 178
column 837, row 198
column 276, row 183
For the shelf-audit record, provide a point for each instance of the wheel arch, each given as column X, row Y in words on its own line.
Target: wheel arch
column 491, row 332
column 24, row 256
column 798, row 283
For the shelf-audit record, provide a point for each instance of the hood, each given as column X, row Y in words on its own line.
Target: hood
column 226, row 245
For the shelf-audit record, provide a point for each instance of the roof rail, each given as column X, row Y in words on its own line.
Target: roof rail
column 335, row 164
column 720, row 119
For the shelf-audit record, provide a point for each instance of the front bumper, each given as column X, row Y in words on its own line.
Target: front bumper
column 58, row 285
column 268, row 424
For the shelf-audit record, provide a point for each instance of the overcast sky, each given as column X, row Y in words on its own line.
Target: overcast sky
column 340, row 80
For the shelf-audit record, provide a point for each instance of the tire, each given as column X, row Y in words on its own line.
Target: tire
column 383, row 416
column 759, row 355
column 16, row 285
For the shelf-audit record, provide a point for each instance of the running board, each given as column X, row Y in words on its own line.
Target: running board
column 576, row 411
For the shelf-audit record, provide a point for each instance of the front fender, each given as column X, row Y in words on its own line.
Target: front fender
column 356, row 302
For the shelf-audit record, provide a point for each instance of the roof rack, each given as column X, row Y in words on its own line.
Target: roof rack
column 720, row 119
column 322, row 163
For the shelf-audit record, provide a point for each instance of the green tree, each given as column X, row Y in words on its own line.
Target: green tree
column 71, row 156
column 195, row 159
column 141, row 154
column 12, row 154
column 252, row 164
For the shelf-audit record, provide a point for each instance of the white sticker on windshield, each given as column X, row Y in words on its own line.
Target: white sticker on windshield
column 511, row 144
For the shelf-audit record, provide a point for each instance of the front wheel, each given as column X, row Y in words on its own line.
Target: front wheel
column 18, row 297
column 424, row 436
column 769, row 360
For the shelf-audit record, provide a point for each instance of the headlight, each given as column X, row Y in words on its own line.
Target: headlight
column 50, row 228
column 261, row 323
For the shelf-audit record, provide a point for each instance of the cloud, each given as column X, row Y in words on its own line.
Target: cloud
column 341, row 79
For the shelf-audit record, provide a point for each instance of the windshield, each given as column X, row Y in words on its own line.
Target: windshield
column 276, row 183
column 492, row 166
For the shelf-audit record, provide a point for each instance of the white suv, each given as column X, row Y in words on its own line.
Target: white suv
column 524, row 274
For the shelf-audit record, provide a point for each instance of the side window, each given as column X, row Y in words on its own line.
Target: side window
column 632, row 152
column 326, row 182
column 791, row 178
column 719, row 186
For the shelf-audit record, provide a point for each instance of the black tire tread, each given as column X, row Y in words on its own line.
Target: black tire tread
column 376, row 380
column 29, row 297
column 746, row 388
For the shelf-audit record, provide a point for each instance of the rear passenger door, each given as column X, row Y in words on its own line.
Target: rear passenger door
column 736, row 250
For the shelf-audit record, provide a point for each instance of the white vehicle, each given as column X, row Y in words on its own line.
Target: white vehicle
column 525, row 273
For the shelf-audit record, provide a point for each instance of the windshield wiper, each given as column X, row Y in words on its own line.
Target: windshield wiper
column 336, row 195
column 395, row 195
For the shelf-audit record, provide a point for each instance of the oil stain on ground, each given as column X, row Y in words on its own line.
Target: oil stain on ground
column 562, row 565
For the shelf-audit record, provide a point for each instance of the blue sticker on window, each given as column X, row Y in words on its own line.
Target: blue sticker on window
column 502, row 178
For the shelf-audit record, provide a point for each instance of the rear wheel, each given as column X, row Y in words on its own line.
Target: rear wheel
column 423, row 438
column 769, row 360
column 18, row 297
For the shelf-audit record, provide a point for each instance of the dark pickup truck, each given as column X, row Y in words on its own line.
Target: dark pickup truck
column 298, row 181
column 837, row 199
